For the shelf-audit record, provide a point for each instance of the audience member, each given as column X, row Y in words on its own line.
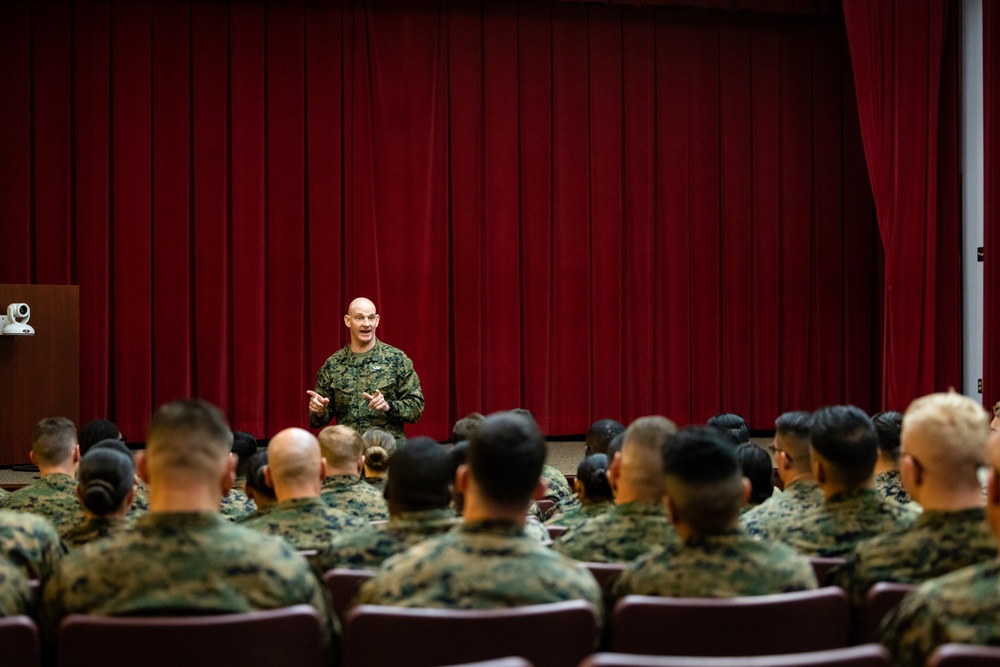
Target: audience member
column 714, row 558
column 31, row 543
column 102, row 430
column 380, row 446
column 466, row 426
column 887, row 481
column 557, row 487
column 638, row 521
column 458, row 455
column 592, row 487
column 236, row 505
column 600, row 435
column 343, row 487
column 757, row 467
column 732, row 425
column 255, row 484
column 106, row 487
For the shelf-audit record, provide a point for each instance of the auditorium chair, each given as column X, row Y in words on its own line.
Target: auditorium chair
column 343, row 585
column 19, row 642
column 544, row 506
column 511, row 661
column 882, row 598
column 556, row 531
column 560, row 634
column 822, row 566
column 813, row 620
column 867, row 655
column 964, row 655
column 606, row 573
column 273, row 638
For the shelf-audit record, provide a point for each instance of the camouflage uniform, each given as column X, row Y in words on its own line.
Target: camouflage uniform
column 937, row 543
column 306, row 523
column 140, row 503
column 350, row 494
column 3, row 495
column 583, row 511
column 536, row 530
column 346, row 376
column 236, row 505
column 558, row 490
column 53, row 497
column 961, row 607
column 798, row 498
column 890, row 485
column 31, row 543
column 177, row 563
column 623, row 533
column 717, row 566
column 479, row 565
column 367, row 548
column 377, row 482
column 92, row 529
column 15, row 596
column 843, row 520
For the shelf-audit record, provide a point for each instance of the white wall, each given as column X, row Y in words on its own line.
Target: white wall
column 972, row 196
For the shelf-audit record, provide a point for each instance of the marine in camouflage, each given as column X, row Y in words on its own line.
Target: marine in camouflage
column 557, row 490
column 369, row 547
column 623, row 533
column 890, row 485
column 717, row 566
column 94, row 528
column 31, row 543
column 305, row 523
column 346, row 376
column 536, row 530
column 236, row 506
column 480, row 565
column 843, row 520
column 140, row 502
column 798, row 498
column 350, row 494
column 53, row 497
column 15, row 596
column 377, row 482
column 961, row 607
column 937, row 543
column 581, row 512
column 179, row 563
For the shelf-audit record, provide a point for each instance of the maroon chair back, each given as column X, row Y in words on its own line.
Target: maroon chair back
column 555, row 531
column 606, row 573
column 882, row 598
column 19, row 642
column 560, row 634
column 545, row 505
column 288, row 636
column 868, row 655
column 964, row 655
column 733, row 626
column 823, row 565
column 343, row 585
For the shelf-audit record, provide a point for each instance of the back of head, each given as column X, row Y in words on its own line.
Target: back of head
column 505, row 458
column 703, row 479
column 421, row 477
column 380, row 446
column 244, row 446
column 641, row 471
column 342, row 447
column 845, row 438
column 601, row 433
column 756, row 466
column 947, row 434
column 96, row 431
column 293, row 458
column 466, row 426
column 525, row 413
column 255, row 478
column 887, row 428
column 793, row 430
column 53, row 441
column 106, row 476
column 615, row 446
column 732, row 425
column 593, row 475
column 188, row 436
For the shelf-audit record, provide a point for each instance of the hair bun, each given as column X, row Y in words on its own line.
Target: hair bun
column 377, row 458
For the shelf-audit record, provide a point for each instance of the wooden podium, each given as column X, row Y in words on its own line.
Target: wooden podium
column 40, row 374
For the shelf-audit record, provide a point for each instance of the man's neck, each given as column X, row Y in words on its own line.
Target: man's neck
column 629, row 494
column 950, row 500
column 342, row 473
column 45, row 471
column 174, row 498
column 295, row 492
column 476, row 509
column 885, row 465
column 830, row 489
column 359, row 348
column 797, row 477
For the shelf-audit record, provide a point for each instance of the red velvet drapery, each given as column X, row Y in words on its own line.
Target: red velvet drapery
column 588, row 210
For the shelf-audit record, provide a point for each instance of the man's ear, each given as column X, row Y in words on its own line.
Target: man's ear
column 31, row 456
column 819, row 471
column 76, row 454
column 347, row 321
column 142, row 466
column 747, row 488
column 322, row 468
column 672, row 511
column 361, row 465
column 228, row 475
column 462, row 479
column 615, row 469
column 267, row 476
column 993, row 488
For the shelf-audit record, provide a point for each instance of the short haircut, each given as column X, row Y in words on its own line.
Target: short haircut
column 845, row 437
column 244, row 446
column 593, row 475
column 887, row 427
column 421, row 477
column 255, row 474
column 505, row 458
column 95, row 431
column 112, row 443
column 341, row 445
column 795, row 424
column 53, row 440
column 106, row 476
column 526, row 413
column 703, row 478
column 757, row 467
column 615, row 445
column 380, row 446
column 640, row 459
column 466, row 426
column 732, row 425
column 188, row 434
column 955, row 425
column 601, row 433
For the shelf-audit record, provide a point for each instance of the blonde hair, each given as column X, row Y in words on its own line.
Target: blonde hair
column 956, row 425
column 341, row 445
column 641, row 458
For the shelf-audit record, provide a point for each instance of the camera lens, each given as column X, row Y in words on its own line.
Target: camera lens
column 22, row 309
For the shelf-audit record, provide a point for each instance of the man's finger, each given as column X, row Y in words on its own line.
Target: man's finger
column 378, row 393
column 367, row 395
column 314, row 394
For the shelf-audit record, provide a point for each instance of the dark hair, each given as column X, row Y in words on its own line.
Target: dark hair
column 459, row 453
column 380, row 448
column 505, row 458
column 421, row 477
column 244, row 446
column 593, row 475
column 757, row 468
column 112, row 443
column 887, row 428
column 615, row 445
column 53, row 440
column 793, row 423
column 466, row 426
column 96, row 431
column 106, row 475
column 526, row 414
column 732, row 425
column 699, row 455
column 255, row 474
column 845, row 436
column 601, row 433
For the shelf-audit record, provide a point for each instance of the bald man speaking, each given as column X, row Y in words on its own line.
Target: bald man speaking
column 367, row 383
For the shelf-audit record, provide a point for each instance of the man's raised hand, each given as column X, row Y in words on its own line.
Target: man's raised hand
column 317, row 402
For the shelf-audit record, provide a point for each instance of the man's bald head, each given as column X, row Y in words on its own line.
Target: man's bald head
column 294, row 463
column 189, row 437
column 360, row 304
column 946, row 434
column 342, row 448
column 640, row 471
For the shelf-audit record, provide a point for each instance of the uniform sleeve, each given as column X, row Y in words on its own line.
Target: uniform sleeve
column 409, row 402
column 324, row 387
column 909, row 631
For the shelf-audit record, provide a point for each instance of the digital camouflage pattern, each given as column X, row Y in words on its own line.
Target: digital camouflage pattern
column 798, row 498
column 717, row 566
column 937, row 543
column 557, row 490
column 367, row 548
column 31, row 543
column 480, row 565
column 180, row 563
column 345, row 377
column 3, row 494
column 140, row 502
column 377, row 482
column 53, row 497
column 572, row 515
column 350, row 494
column 843, row 520
column 623, row 533
column 961, row 607
column 305, row 523
column 15, row 596
column 92, row 529
column 890, row 485
column 536, row 530
column 236, row 505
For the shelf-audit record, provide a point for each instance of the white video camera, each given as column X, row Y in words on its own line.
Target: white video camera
column 15, row 322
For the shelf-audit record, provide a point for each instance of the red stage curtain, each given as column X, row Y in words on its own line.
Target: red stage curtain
column 906, row 99
column 991, row 217
column 587, row 210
